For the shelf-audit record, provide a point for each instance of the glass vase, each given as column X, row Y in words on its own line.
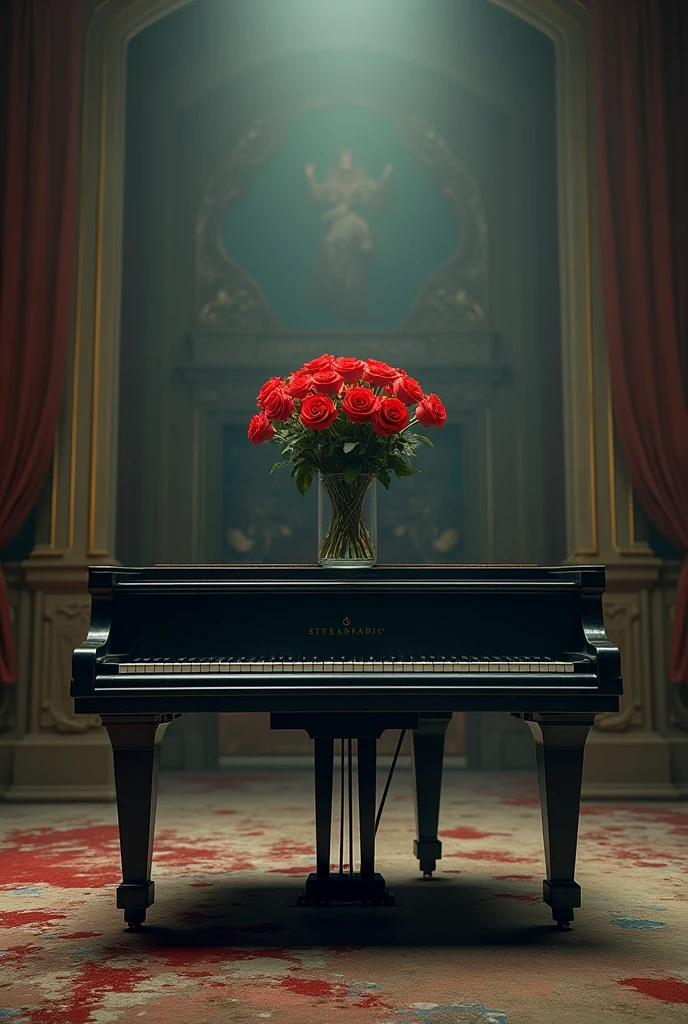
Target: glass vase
column 347, row 521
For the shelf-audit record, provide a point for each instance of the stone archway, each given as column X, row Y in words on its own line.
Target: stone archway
column 88, row 488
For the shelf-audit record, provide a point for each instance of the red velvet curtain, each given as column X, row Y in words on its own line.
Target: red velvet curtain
column 640, row 64
column 39, row 101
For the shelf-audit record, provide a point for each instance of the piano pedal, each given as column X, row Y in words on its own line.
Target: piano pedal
column 345, row 890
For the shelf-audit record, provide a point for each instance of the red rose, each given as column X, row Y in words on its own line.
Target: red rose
column 321, row 363
column 268, row 386
column 299, row 384
column 349, row 369
column 260, row 429
column 317, row 412
column 430, row 412
column 279, row 405
column 379, row 374
column 359, row 404
column 408, row 390
column 327, row 382
column 390, row 416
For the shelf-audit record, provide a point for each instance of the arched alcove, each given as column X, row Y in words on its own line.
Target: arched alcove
column 99, row 287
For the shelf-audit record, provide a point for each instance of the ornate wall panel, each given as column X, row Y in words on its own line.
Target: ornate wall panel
column 627, row 628
column 65, row 626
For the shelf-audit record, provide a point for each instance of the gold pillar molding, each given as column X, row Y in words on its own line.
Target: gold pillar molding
column 50, row 755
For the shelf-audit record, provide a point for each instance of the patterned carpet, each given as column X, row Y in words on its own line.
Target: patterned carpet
column 225, row 943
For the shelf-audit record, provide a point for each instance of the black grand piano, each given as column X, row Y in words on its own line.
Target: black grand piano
column 346, row 655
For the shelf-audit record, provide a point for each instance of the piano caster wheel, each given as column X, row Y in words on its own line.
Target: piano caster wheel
column 134, row 919
column 563, row 919
column 427, row 875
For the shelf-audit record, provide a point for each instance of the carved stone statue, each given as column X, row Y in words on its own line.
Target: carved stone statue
column 340, row 278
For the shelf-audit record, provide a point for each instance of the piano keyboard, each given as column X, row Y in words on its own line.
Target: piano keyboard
column 243, row 666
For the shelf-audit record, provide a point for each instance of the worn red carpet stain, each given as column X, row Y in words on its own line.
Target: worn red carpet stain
column 225, row 941
column 669, row 990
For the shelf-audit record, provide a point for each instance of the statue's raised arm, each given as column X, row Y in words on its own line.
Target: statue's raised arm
column 317, row 190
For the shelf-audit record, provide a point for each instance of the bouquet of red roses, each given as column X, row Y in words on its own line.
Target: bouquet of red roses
column 344, row 415
column 347, row 421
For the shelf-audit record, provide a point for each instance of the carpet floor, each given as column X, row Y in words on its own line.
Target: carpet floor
column 226, row 943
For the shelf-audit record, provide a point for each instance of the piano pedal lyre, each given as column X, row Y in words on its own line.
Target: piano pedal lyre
column 345, row 885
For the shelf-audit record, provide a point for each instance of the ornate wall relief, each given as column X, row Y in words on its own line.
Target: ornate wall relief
column 622, row 621
column 452, row 298
column 66, row 624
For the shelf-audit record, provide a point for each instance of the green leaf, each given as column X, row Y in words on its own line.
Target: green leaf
column 349, row 446
column 384, row 478
column 304, row 481
column 425, row 440
column 351, row 471
column 401, row 469
column 278, row 465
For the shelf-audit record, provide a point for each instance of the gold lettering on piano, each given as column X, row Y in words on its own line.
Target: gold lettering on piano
column 346, row 629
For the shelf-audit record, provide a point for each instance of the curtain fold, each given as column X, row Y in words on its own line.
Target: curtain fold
column 38, row 125
column 640, row 68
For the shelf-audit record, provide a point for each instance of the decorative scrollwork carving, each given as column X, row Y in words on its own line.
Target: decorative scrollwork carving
column 228, row 299
column 66, row 626
column 621, row 623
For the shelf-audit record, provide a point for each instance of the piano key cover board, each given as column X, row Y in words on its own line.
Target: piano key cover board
column 397, row 638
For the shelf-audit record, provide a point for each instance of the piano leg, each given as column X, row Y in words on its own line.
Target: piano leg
column 427, row 753
column 136, row 749
column 559, row 747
